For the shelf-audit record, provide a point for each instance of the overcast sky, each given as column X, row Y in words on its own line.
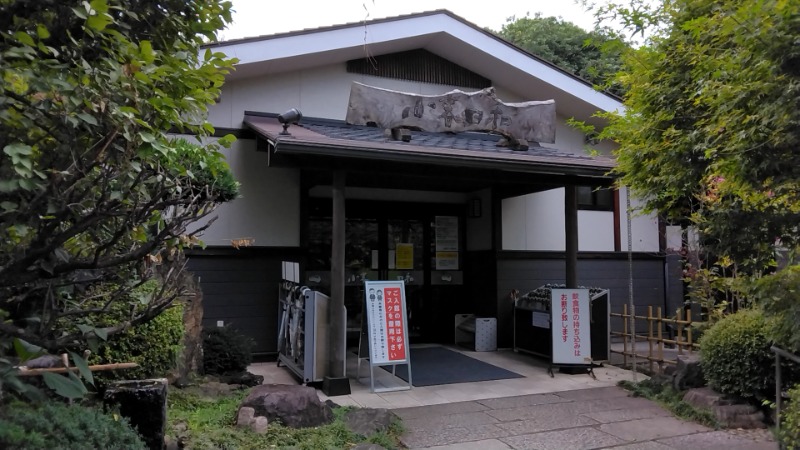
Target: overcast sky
column 260, row 17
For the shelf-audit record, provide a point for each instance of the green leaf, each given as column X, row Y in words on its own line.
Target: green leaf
column 101, row 333
column 88, row 118
column 42, row 31
column 24, row 38
column 25, row 350
column 146, row 52
column 98, row 22
column 83, row 367
column 69, row 387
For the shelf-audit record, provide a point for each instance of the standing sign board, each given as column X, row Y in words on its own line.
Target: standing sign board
column 387, row 326
column 570, row 319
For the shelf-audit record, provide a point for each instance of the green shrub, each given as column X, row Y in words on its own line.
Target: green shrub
column 790, row 420
column 154, row 346
column 225, row 350
column 59, row 426
column 779, row 295
column 736, row 358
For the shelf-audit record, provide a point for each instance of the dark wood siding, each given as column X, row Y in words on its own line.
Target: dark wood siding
column 241, row 289
column 526, row 274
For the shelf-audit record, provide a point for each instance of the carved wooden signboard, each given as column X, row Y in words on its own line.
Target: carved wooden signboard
column 455, row 111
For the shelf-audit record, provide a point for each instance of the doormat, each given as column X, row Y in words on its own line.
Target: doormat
column 431, row 366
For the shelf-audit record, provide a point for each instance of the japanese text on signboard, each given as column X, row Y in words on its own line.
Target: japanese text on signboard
column 571, row 343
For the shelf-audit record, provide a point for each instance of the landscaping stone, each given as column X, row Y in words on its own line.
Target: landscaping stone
column 259, row 425
column 292, row 405
column 726, row 410
column 243, row 378
column 367, row 421
column 245, row 416
column 706, row 398
column 688, row 372
column 739, row 416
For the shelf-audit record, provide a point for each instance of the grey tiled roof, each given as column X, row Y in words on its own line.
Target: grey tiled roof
column 481, row 142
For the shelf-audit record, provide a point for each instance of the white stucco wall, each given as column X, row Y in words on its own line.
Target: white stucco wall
column 644, row 227
column 536, row 222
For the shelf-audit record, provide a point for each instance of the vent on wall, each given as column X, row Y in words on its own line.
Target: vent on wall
column 418, row 65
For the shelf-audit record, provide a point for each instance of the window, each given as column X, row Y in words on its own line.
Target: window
column 595, row 198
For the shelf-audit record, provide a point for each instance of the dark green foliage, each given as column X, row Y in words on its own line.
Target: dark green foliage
column 779, row 295
column 790, row 420
column 592, row 55
column 58, row 426
column 94, row 191
column 213, row 175
column 736, row 357
column 154, row 345
column 225, row 350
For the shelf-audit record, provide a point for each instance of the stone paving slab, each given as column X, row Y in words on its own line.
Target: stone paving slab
column 593, row 394
column 572, row 438
column 522, row 400
column 449, row 436
column 717, row 440
column 568, row 408
column 546, row 423
column 439, row 410
column 488, row 444
column 649, row 445
column 622, row 415
column 449, row 421
column 652, row 429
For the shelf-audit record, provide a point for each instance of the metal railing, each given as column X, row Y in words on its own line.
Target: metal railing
column 779, row 352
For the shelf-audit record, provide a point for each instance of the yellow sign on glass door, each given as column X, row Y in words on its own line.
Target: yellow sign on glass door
column 404, row 256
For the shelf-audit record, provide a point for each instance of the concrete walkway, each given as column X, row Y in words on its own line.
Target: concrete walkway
column 604, row 417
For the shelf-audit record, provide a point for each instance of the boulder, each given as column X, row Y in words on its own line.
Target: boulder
column 688, row 372
column 291, row 405
column 243, row 378
column 739, row 416
column 367, row 421
column 706, row 398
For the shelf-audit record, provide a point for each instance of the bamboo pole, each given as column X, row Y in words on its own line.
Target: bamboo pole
column 94, row 368
column 625, row 335
column 689, row 330
column 679, row 337
column 660, row 340
column 650, row 337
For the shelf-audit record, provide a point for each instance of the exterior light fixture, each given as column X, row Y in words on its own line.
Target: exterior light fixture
column 289, row 117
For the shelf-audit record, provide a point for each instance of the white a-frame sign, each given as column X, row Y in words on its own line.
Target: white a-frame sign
column 387, row 328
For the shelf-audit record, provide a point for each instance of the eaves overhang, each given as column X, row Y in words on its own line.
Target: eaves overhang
column 304, row 141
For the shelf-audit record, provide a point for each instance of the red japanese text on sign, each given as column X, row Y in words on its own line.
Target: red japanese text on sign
column 394, row 324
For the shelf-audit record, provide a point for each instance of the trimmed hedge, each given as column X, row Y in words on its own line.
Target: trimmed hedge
column 55, row 425
column 736, row 358
column 154, row 345
column 225, row 351
column 790, row 420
